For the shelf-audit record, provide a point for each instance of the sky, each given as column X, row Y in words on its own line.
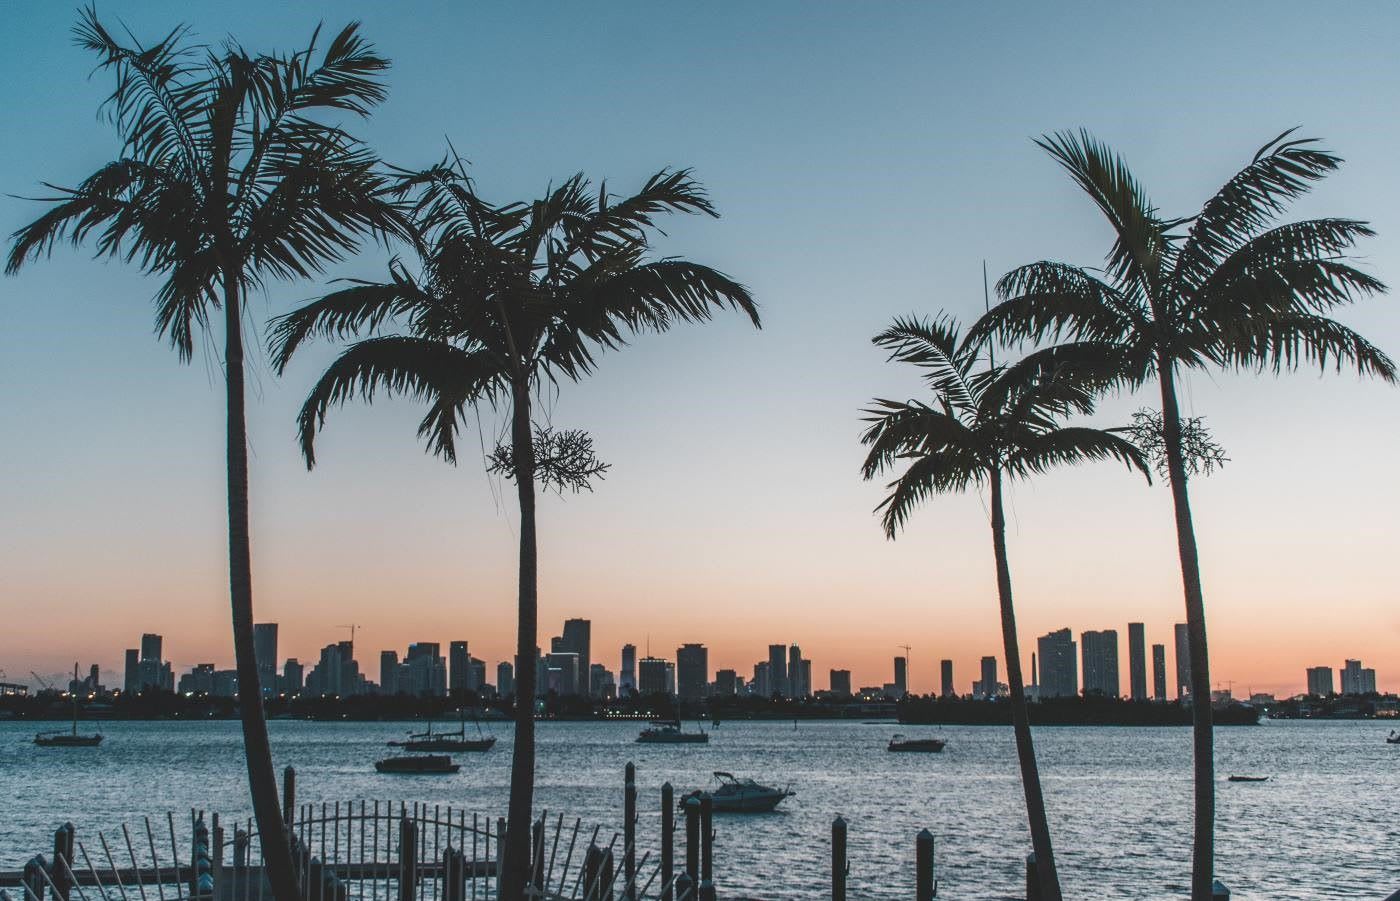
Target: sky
column 866, row 159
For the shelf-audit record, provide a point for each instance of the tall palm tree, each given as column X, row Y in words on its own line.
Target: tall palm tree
column 985, row 425
column 226, row 179
column 1225, row 288
column 508, row 298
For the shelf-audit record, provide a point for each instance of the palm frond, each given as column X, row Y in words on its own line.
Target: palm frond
column 356, row 311
column 934, row 346
column 1287, row 341
column 1053, row 300
column 1070, row 445
column 925, row 477
column 900, row 430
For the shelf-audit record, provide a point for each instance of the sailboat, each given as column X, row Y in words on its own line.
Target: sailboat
column 65, row 739
column 447, row 741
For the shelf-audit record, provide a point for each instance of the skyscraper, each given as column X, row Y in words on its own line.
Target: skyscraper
column 841, row 682
column 458, row 666
column 424, row 672
column 565, row 674
column 265, row 652
column 726, row 683
column 762, row 684
column 1137, row 661
column 293, row 677
column 655, row 676
column 1059, row 672
column 1320, row 681
column 901, row 677
column 795, row 687
column 131, row 681
column 989, row 677
column 1100, row 650
column 945, row 671
column 505, row 679
column 389, row 672
column 627, row 678
column 692, row 671
column 1356, row 680
column 578, row 638
column 150, row 646
column 777, row 669
column 1183, row 661
column 1159, row 672
column 804, row 670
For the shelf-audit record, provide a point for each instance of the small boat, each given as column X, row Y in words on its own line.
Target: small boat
column 447, row 741
column 1249, row 778
column 63, row 738
column 418, row 763
column 1393, row 738
column 926, row 745
column 668, row 732
column 745, row 795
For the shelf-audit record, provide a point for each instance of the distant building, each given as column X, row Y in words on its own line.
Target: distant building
column 565, row 673
column 1137, row 661
column 152, row 672
column 601, row 683
column 726, row 683
column 424, row 670
column 336, row 674
column 901, row 677
column 151, row 646
column 578, row 639
column 1100, row 650
column 656, row 676
column 476, row 674
column 131, row 681
column 1059, row 673
column 799, row 674
column 989, row 682
column 265, row 652
column 692, row 671
column 762, row 682
column 293, row 677
column 777, row 669
column 627, row 678
column 841, row 682
column 198, row 681
column 1159, row 672
column 505, row 679
column 1356, row 680
column 947, row 689
column 389, row 673
column 225, row 684
column 458, row 666
column 1183, row 662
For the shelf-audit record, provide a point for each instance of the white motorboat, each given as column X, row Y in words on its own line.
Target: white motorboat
column 736, row 795
column 670, row 733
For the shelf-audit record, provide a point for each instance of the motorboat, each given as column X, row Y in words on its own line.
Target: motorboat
column 669, row 732
column 446, row 741
column 736, row 795
column 926, row 745
column 1393, row 738
column 64, row 738
column 418, row 763
column 1249, row 778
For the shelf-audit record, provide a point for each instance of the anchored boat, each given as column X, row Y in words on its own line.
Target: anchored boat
column 418, row 764
column 669, row 732
column 1393, row 738
column 926, row 745
column 447, row 741
column 1249, row 778
column 745, row 795
column 63, row 738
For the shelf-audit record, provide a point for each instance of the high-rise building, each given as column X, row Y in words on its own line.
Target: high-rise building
column 293, row 677
column 901, row 677
column 945, row 671
column 692, row 671
column 762, row 683
column 1356, row 680
column 389, row 673
column 989, row 677
column 777, row 669
column 726, row 683
column 131, row 680
column 627, row 678
column 1159, row 672
column 336, row 674
column 796, row 686
column 1183, row 661
column 505, row 679
column 1100, row 650
column 655, row 676
column 265, row 652
column 578, row 639
column 1137, row 661
column 565, row 677
column 151, row 646
column 153, row 673
column 424, row 670
column 804, row 669
column 1059, row 671
column 841, row 682
column 224, row 684
column 458, row 666
column 601, row 683
column 198, row 681
column 1320, row 681
column 476, row 674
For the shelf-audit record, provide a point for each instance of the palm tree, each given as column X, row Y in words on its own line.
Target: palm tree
column 1226, row 288
column 984, row 426
column 509, row 299
column 226, row 179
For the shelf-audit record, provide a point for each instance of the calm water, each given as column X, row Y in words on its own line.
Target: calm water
column 1327, row 825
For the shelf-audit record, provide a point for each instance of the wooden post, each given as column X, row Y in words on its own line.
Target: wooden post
column 692, row 839
column 597, row 874
column 201, row 862
column 454, row 875
column 240, row 848
column 1032, row 879
column 537, row 853
column 707, row 847
column 218, row 853
column 62, row 867
column 924, row 886
column 629, row 833
column 685, row 888
column 839, row 867
column 289, row 795
column 408, row 859
column 33, row 878
column 668, row 841
column 1218, row 891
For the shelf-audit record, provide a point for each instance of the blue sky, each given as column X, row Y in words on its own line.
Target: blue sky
column 866, row 159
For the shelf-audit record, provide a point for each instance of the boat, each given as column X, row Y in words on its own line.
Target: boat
column 668, row 732
column 1249, row 778
column 418, row 763
column 745, row 795
column 446, row 741
column 926, row 745
column 63, row 738
column 1393, row 738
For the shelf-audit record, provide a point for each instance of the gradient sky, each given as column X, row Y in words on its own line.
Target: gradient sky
column 866, row 159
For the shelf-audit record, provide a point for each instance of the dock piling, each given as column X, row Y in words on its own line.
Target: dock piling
column 839, row 865
column 598, row 874
column 668, row 840
column 289, row 795
column 408, row 859
column 1032, row 879
column 692, row 841
column 629, row 833
column 62, row 869
column 925, row 887
column 707, row 847
column 33, row 877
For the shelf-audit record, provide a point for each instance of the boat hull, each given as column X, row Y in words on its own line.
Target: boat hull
column 685, row 738
column 750, row 804
column 446, row 744
column 417, row 766
column 68, row 741
column 918, row 747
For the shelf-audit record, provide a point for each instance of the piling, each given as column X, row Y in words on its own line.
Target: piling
column 218, row 855
column 289, row 795
column 408, row 859
column 537, row 853
column 61, row 873
column 839, row 866
column 201, row 862
column 707, row 847
column 454, row 875
column 924, row 886
column 668, row 840
column 692, row 840
column 685, row 888
column 240, row 849
column 1218, row 891
column 598, row 874
column 1032, row 879
column 629, row 833
column 33, row 877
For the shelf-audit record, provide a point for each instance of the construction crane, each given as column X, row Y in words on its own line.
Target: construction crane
column 41, row 680
column 352, row 627
column 908, row 656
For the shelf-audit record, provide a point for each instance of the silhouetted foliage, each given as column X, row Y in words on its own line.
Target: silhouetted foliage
column 1200, row 452
column 564, row 458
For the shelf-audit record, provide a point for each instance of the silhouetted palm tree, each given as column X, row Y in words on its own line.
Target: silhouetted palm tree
column 226, row 180
column 1224, row 288
column 984, row 425
column 508, row 298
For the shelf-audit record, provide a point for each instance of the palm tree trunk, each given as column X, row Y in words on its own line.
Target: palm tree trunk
column 262, row 780
column 515, row 864
column 1020, row 716
column 1203, row 848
